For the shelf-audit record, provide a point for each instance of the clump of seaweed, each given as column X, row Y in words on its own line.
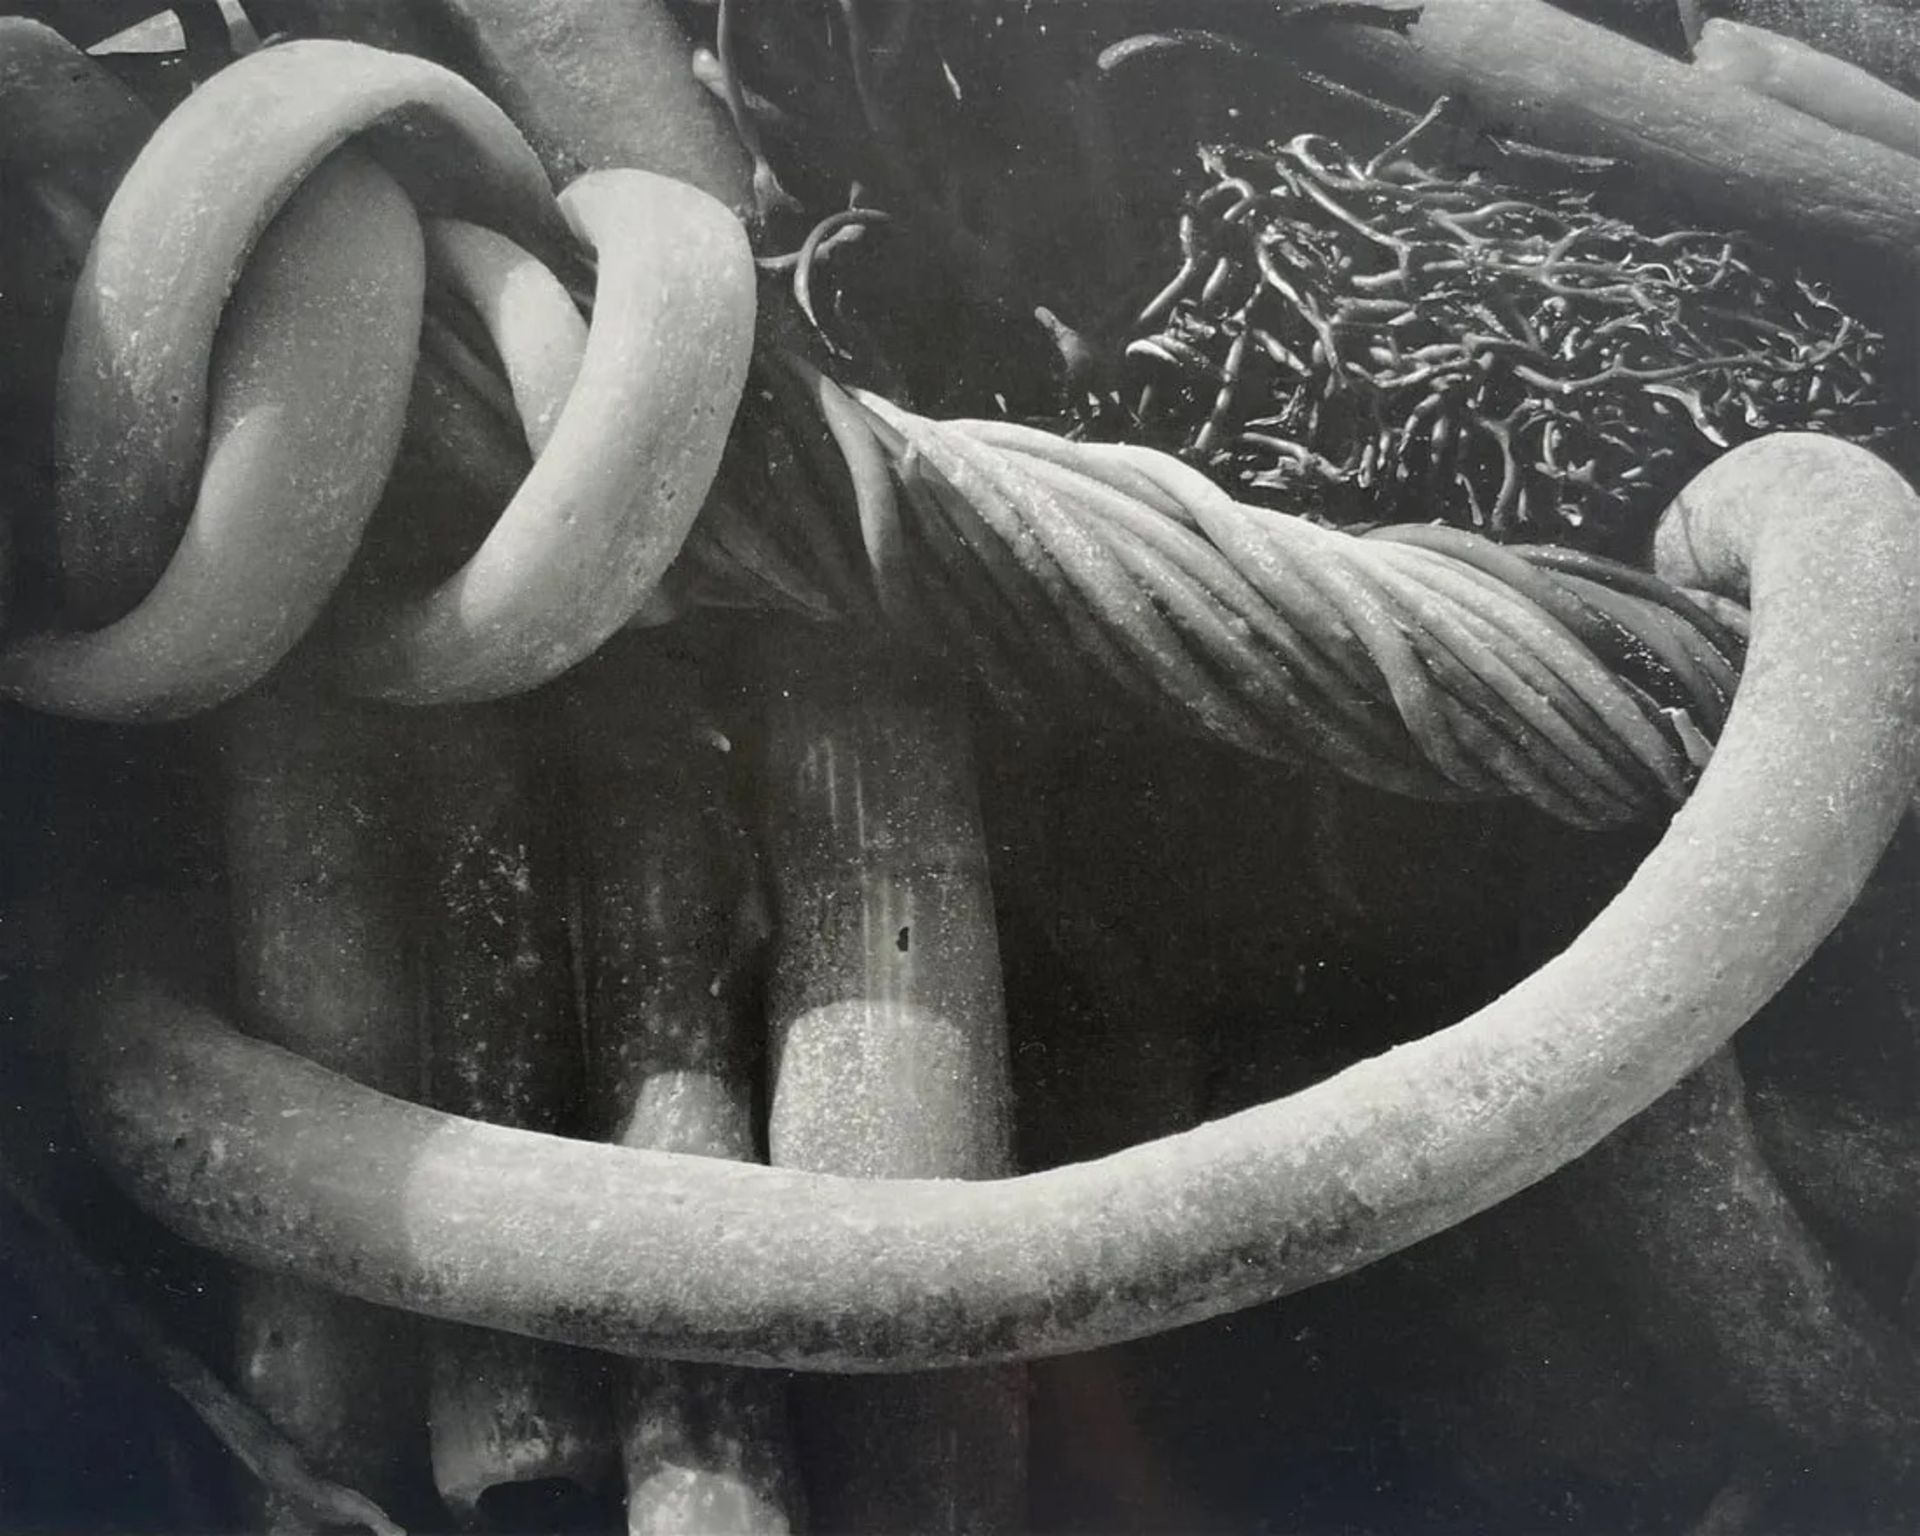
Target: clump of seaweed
column 1376, row 341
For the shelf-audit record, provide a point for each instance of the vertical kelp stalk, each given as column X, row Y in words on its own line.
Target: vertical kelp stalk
column 1681, row 1203
column 68, row 131
column 318, row 863
column 63, row 1277
column 889, row 1047
column 598, row 85
column 1851, row 1172
column 519, row 1428
column 664, row 885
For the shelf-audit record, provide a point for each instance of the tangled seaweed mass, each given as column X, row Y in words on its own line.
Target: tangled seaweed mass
column 1386, row 342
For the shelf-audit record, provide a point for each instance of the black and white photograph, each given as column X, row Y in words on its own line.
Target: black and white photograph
column 960, row 767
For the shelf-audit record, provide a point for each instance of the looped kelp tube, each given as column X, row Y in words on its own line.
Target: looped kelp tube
column 400, row 1205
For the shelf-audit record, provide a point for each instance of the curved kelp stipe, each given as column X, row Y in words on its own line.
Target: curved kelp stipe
column 131, row 418
column 615, row 489
column 327, row 310
column 281, row 1164
column 528, row 314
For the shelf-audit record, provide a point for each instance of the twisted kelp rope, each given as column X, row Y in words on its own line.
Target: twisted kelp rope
column 1431, row 666
column 1421, row 660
